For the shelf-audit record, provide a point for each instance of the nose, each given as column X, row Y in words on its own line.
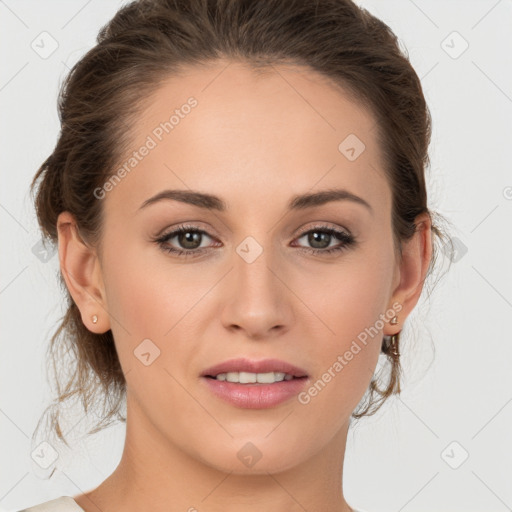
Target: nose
column 256, row 295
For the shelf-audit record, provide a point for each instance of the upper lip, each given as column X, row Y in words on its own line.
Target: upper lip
column 252, row 366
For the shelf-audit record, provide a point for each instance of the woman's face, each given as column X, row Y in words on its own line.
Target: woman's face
column 251, row 285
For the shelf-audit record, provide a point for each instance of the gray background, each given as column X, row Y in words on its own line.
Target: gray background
column 457, row 395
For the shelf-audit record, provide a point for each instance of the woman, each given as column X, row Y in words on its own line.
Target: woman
column 239, row 203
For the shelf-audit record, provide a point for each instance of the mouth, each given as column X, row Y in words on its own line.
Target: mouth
column 247, row 371
column 249, row 384
column 254, row 378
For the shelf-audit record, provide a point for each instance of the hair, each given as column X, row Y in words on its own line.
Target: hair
column 148, row 41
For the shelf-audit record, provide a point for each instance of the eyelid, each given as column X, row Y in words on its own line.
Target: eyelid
column 323, row 225
column 191, row 225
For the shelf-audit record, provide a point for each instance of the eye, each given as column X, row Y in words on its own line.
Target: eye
column 320, row 237
column 189, row 237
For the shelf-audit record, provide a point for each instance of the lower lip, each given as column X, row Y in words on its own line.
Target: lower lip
column 255, row 396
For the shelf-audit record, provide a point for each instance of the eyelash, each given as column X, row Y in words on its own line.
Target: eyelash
column 347, row 239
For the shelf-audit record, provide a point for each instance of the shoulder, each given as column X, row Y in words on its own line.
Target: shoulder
column 357, row 509
column 62, row 504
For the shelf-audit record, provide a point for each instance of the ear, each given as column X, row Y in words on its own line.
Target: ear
column 81, row 270
column 412, row 270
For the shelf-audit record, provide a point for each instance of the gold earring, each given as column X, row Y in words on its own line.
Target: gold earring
column 395, row 339
column 393, row 344
column 390, row 343
column 94, row 319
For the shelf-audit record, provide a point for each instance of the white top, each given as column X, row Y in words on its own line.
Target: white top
column 62, row 504
column 68, row 504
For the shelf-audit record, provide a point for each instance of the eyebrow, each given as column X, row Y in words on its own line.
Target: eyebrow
column 298, row 202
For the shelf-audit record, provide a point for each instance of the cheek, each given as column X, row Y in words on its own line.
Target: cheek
column 145, row 294
column 150, row 297
column 148, row 300
column 348, row 298
column 348, row 306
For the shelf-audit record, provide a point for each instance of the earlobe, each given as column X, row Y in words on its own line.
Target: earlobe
column 80, row 268
column 416, row 256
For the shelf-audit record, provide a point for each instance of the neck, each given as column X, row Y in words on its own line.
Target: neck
column 155, row 474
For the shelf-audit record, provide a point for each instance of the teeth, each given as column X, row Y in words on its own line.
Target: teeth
column 250, row 378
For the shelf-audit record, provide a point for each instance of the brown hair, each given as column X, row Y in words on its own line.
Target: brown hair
column 149, row 40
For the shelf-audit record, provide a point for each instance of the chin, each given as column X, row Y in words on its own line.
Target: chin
column 254, row 455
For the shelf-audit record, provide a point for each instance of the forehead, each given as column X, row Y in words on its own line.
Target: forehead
column 277, row 132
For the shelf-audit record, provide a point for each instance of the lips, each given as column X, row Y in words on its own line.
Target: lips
column 252, row 366
column 255, row 395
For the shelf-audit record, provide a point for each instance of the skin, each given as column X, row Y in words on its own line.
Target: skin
column 252, row 140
